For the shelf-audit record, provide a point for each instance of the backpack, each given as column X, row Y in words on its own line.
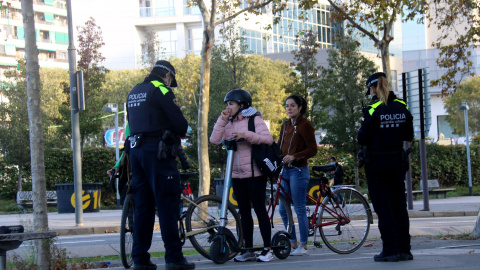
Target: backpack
column 267, row 157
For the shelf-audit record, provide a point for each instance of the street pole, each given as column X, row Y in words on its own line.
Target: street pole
column 464, row 107
column 423, row 148
column 116, row 151
column 77, row 162
column 406, row 145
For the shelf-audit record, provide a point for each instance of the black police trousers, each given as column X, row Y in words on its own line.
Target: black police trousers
column 386, row 186
column 155, row 183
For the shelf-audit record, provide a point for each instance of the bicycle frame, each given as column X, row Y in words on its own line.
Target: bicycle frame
column 324, row 191
column 182, row 217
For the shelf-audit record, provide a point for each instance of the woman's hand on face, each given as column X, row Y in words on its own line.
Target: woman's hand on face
column 288, row 158
column 238, row 135
column 225, row 114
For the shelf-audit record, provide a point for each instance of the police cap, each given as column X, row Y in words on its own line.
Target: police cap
column 373, row 79
column 163, row 64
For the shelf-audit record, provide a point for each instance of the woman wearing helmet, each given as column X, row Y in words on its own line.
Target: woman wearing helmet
column 249, row 186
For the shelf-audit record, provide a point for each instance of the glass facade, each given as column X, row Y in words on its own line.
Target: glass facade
column 255, row 41
column 295, row 20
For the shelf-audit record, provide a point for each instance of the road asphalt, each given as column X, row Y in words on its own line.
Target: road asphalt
column 106, row 221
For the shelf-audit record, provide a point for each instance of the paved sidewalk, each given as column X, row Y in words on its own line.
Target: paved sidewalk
column 109, row 220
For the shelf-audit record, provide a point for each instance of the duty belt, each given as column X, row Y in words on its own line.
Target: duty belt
column 136, row 140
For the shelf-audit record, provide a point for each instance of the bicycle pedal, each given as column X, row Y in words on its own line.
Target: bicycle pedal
column 317, row 244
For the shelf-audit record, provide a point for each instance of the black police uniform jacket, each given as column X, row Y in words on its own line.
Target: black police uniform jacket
column 386, row 127
column 152, row 109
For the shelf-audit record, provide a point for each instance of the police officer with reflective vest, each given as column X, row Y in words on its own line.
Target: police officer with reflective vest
column 386, row 124
column 152, row 110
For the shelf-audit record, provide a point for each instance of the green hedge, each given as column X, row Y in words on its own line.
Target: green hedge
column 59, row 169
column 447, row 163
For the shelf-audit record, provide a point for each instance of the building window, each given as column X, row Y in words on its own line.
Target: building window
column 194, row 10
column 195, row 38
column 61, row 4
column 165, row 8
column 444, row 127
column 254, row 41
column 156, row 8
column 45, row 36
column 145, row 8
column 317, row 19
column 62, row 55
column 167, row 41
column 10, row 50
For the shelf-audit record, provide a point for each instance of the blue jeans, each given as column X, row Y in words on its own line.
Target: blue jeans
column 297, row 189
column 338, row 196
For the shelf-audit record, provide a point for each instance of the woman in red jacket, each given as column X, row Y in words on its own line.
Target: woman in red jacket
column 249, row 186
column 297, row 144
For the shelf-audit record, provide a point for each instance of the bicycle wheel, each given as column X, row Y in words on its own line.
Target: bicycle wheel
column 275, row 218
column 126, row 231
column 346, row 221
column 202, row 221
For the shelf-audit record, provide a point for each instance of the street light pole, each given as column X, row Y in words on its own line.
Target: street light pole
column 465, row 108
column 77, row 159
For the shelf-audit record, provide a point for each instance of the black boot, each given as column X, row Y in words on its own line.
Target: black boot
column 181, row 265
column 149, row 266
column 386, row 258
column 406, row 256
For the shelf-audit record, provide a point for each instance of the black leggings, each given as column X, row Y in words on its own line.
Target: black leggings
column 251, row 191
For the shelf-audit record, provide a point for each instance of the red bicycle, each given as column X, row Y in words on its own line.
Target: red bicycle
column 341, row 218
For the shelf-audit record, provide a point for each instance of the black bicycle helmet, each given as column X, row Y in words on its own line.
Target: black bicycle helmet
column 241, row 96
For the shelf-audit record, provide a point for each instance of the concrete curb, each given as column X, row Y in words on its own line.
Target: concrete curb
column 427, row 214
column 63, row 231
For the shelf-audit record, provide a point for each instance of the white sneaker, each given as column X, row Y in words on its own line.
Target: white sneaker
column 299, row 251
column 245, row 256
column 265, row 256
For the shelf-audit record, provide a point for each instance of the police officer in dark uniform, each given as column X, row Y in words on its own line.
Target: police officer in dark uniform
column 386, row 124
column 152, row 110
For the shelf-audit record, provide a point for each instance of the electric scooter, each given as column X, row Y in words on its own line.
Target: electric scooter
column 225, row 243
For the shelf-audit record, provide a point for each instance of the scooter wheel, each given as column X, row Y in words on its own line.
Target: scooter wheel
column 217, row 255
column 282, row 246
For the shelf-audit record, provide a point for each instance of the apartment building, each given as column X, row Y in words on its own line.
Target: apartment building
column 180, row 30
column 420, row 54
column 51, row 33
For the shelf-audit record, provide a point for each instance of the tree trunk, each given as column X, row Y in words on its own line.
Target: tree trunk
column 40, row 217
column 385, row 53
column 203, row 160
column 476, row 229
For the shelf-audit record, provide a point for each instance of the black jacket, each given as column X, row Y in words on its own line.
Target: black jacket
column 151, row 109
column 338, row 176
column 386, row 127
